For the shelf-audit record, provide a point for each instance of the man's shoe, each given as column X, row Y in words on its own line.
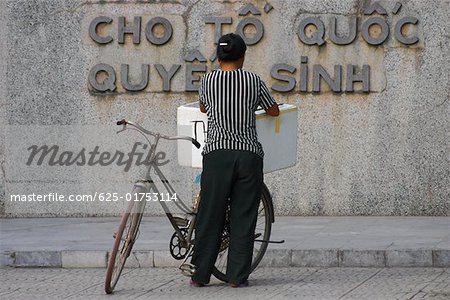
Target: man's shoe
column 196, row 284
column 240, row 285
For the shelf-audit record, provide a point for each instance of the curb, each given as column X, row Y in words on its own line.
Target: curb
column 438, row 258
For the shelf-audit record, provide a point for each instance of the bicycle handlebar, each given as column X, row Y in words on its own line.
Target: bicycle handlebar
column 140, row 128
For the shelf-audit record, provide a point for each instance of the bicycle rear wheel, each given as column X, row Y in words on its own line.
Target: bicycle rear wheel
column 124, row 240
column 262, row 232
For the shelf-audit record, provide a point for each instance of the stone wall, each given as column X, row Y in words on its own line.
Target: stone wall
column 373, row 111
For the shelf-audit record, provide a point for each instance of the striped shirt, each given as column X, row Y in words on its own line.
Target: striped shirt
column 231, row 99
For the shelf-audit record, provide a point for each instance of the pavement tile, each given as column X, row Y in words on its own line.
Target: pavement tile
column 276, row 258
column 396, row 283
column 315, row 258
column 165, row 259
column 139, row 259
column 6, row 259
column 37, row 259
column 441, row 258
column 83, row 259
column 409, row 258
column 362, row 258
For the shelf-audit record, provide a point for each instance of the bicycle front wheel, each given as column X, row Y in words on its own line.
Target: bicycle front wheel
column 262, row 232
column 124, row 240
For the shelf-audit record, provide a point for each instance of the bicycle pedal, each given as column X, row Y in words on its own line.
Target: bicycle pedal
column 187, row 269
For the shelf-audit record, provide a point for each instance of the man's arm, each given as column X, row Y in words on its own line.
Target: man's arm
column 267, row 101
column 201, row 95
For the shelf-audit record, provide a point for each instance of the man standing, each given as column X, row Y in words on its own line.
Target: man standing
column 232, row 163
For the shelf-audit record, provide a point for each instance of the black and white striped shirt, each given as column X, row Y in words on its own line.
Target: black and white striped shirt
column 231, row 99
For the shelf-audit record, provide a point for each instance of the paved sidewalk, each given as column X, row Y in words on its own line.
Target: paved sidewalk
column 265, row 283
column 310, row 242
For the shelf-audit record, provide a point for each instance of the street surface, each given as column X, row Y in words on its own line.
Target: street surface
column 266, row 283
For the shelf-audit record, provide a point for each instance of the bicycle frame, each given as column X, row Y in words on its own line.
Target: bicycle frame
column 147, row 184
column 151, row 187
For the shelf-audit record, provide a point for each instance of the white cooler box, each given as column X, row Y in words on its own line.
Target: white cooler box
column 278, row 136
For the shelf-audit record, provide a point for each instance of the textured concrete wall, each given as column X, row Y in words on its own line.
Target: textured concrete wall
column 385, row 152
column 3, row 122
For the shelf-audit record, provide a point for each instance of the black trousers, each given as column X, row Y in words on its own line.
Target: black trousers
column 237, row 176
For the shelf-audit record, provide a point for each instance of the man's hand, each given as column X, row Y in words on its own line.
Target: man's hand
column 202, row 108
column 272, row 111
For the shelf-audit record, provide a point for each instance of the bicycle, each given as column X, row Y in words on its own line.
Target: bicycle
column 182, row 240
